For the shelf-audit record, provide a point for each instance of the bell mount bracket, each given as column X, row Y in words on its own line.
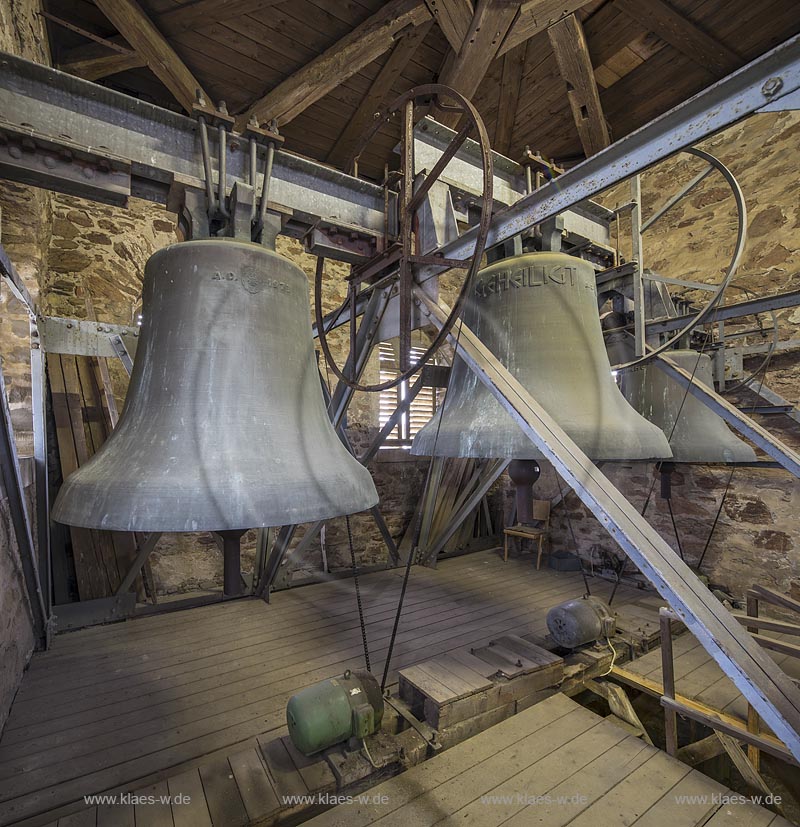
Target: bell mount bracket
column 398, row 260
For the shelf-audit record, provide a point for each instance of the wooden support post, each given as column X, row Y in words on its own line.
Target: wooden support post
column 574, row 63
column 668, row 672
column 753, row 720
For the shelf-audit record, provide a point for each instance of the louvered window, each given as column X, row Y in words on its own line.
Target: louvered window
column 422, row 407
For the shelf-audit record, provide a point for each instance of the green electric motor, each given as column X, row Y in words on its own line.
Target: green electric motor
column 333, row 711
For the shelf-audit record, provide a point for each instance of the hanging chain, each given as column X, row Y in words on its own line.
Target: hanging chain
column 358, row 594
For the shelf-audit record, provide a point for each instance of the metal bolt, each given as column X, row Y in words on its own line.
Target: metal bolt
column 49, row 161
column 14, row 151
column 88, row 172
column 771, row 87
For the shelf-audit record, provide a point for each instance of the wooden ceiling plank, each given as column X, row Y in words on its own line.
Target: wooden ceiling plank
column 162, row 60
column 536, row 16
column 355, row 50
column 93, row 62
column 572, row 55
column 681, row 33
column 608, row 30
column 453, row 18
column 203, row 13
column 508, row 97
column 465, row 71
column 343, row 151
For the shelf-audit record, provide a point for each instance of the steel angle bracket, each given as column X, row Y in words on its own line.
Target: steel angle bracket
column 754, row 673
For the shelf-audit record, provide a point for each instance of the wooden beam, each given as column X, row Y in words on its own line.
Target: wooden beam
column 572, row 56
column 681, row 33
column 349, row 55
column 465, row 71
column 137, row 28
column 534, row 17
column 508, row 97
column 343, row 151
column 93, row 62
column 454, row 18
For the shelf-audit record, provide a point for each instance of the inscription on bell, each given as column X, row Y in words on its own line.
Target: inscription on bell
column 534, row 275
column 252, row 280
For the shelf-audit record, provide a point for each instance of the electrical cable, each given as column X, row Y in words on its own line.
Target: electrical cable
column 613, row 657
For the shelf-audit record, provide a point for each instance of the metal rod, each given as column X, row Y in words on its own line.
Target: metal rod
column 253, row 147
column 11, row 481
column 209, row 175
column 265, row 185
column 753, row 672
column 42, row 482
column 677, row 197
column 638, row 283
column 391, row 423
column 222, row 164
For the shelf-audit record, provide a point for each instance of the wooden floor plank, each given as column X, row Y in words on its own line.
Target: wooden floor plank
column 690, row 802
column 578, row 792
column 254, row 785
column 152, row 808
column 192, row 811
column 222, row 794
column 631, row 798
column 487, row 803
column 84, row 818
column 116, row 815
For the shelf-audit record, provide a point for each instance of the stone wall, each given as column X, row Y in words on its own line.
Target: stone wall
column 24, row 231
column 756, row 538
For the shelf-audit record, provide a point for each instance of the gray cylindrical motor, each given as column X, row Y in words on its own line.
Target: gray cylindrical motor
column 580, row 621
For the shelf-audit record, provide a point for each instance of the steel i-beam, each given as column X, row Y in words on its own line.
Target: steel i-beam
column 753, row 672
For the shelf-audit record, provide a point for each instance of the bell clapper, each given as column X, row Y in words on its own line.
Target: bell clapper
column 524, row 473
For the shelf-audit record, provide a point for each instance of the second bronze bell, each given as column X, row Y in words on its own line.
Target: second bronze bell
column 538, row 314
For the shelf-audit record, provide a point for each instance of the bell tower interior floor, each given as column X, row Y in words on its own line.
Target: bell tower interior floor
column 129, row 706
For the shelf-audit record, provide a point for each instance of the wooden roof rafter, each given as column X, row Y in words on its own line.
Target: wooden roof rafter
column 92, row 61
column 150, row 44
column 363, row 44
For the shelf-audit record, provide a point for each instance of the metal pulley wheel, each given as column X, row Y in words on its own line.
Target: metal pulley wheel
column 398, row 263
column 706, row 314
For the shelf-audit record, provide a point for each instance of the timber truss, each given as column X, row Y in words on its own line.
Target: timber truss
column 70, row 135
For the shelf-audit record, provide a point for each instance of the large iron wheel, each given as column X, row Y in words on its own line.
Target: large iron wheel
column 398, row 262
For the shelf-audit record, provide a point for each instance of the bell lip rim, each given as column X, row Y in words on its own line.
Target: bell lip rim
column 201, row 529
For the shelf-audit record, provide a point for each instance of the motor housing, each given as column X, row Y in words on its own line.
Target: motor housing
column 334, row 710
column 581, row 621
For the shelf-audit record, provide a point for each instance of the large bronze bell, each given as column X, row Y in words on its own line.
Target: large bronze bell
column 696, row 434
column 538, row 314
column 224, row 426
